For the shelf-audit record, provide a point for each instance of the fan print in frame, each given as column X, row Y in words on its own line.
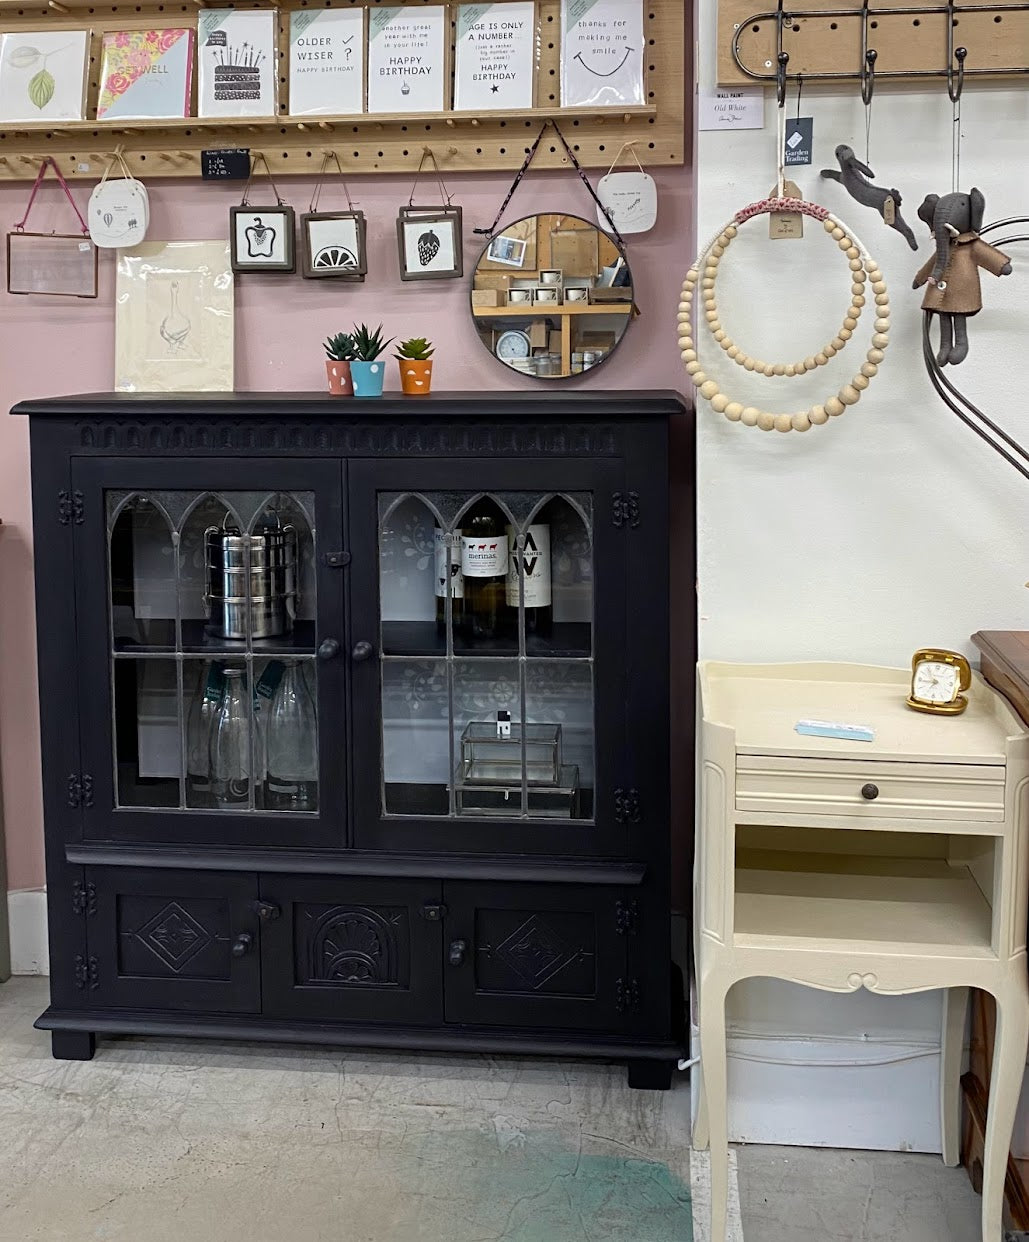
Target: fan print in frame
column 430, row 243
column 174, row 318
column 333, row 244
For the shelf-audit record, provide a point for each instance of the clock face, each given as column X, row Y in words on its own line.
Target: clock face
column 513, row 344
column 936, row 682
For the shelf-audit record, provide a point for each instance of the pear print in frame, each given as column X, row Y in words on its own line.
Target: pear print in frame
column 262, row 238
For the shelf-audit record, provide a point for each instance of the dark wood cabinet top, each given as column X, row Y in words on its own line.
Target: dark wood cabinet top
column 579, row 404
column 1004, row 658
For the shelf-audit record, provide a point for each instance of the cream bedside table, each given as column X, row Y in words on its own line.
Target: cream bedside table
column 898, row 865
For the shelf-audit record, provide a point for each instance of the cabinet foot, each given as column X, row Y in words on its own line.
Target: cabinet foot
column 73, row 1045
column 650, row 1075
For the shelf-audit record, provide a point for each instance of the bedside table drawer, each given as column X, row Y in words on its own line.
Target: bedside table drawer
column 873, row 789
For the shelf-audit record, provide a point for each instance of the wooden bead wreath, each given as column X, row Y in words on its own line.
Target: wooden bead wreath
column 865, row 275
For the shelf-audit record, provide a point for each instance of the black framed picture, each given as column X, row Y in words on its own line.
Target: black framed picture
column 262, row 238
column 332, row 243
column 429, row 242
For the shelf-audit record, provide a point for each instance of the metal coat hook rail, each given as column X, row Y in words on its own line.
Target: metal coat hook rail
column 954, row 71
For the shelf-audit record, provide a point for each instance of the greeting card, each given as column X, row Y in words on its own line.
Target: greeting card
column 406, row 59
column 43, row 75
column 496, row 54
column 238, row 62
column 601, row 53
column 326, row 62
column 145, row 73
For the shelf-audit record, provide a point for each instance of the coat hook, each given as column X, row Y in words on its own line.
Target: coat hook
column 780, row 78
column 868, row 76
column 954, row 91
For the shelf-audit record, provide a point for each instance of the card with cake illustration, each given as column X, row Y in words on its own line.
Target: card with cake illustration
column 43, row 75
column 238, row 62
column 326, row 62
column 145, row 73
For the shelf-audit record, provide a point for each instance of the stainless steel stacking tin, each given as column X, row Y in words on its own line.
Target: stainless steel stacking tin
column 267, row 589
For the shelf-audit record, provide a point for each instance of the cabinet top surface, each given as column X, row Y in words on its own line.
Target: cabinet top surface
column 762, row 703
column 579, row 404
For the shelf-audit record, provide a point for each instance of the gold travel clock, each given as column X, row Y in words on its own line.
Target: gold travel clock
column 937, row 679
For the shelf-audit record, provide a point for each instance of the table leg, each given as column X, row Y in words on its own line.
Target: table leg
column 1009, row 1055
column 955, row 1013
column 713, row 1066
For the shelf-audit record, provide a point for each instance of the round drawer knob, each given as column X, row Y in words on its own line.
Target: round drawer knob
column 870, row 792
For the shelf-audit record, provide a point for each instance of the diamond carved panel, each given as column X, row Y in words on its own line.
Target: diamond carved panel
column 184, row 937
column 174, row 936
column 519, row 951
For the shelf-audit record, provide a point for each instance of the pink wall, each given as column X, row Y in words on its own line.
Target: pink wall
column 50, row 346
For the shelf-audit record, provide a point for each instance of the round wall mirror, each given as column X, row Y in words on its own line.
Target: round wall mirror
column 551, row 296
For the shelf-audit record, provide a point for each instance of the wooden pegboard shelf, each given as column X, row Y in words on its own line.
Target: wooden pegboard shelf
column 369, row 142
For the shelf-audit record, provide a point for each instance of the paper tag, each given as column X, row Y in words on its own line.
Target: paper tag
column 84, row 245
column 889, row 211
column 799, row 141
column 743, row 107
column 786, row 225
column 82, row 168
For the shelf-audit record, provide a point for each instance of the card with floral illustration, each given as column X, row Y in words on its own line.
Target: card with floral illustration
column 145, row 73
column 43, row 75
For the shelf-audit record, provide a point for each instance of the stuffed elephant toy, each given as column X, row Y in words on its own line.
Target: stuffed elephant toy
column 953, row 274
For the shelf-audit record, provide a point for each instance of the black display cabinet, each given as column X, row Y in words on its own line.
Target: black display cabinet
column 471, row 846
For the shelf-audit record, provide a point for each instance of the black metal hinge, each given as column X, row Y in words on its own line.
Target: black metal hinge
column 71, row 507
column 627, row 915
column 80, row 790
column 627, row 995
column 625, row 509
column 87, row 972
column 83, row 898
column 627, row 806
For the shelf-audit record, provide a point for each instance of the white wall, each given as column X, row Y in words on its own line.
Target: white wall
column 888, row 528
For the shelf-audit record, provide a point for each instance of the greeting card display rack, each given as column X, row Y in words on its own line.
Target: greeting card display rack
column 380, row 142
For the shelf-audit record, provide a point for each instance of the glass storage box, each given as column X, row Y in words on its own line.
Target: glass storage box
column 494, row 759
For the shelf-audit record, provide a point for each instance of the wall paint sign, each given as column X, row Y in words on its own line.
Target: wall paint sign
column 326, row 62
column 496, row 46
column 602, row 53
column 743, row 107
column 406, row 59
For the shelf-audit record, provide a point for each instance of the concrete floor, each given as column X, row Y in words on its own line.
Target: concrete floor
column 166, row 1141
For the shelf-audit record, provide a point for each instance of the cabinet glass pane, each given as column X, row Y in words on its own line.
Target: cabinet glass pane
column 485, row 599
column 219, row 591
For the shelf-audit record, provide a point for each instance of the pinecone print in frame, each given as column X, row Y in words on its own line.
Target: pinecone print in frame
column 428, row 248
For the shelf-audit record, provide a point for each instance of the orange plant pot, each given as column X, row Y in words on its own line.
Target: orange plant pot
column 340, row 382
column 415, row 376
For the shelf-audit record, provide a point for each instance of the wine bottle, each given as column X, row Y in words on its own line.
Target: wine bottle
column 448, row 563
column 532, row 566
column 230, row 745
column 291, row 738
column 484, row 569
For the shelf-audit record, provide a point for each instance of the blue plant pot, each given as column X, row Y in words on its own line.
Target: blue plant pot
column 368, row 377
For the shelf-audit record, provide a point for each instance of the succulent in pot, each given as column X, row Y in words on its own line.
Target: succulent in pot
column 366, row 368
column 415, row 358
column 339, row 353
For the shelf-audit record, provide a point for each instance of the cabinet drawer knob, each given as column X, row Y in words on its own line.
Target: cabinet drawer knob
column 328, row 649
column 870, row 792
column 242, row 944
column 362, row 651
column 458, row 948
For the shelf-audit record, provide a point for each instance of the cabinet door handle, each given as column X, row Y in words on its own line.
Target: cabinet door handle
column 328, row 649
column 458, row 948
column 242, row 944
column 870, row 792
column 362, row 651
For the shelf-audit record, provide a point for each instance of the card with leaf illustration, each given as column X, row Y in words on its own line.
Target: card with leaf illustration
column 43, row 75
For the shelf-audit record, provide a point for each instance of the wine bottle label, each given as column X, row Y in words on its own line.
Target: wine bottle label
column 533, row 564
column 484, row 558
column 268, row 682
column 442, row 566
column 214, row 686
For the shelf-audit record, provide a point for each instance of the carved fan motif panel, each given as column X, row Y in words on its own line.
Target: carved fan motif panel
column 352, row 946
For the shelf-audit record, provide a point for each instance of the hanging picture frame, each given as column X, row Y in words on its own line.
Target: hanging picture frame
column 52, row 264
column 262, row 238
column 333, row 244
column 430, row 239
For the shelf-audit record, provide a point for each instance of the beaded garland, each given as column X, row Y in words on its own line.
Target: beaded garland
column 865, row 278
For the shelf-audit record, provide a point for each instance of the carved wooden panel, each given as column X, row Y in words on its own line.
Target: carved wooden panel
column 351, row 946
column 552, row 953
column 186, row 938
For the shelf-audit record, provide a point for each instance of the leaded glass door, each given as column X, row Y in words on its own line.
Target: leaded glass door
column 211, row 637
column 488, row 619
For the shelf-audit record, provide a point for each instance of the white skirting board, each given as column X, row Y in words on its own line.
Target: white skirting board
column 30, row 949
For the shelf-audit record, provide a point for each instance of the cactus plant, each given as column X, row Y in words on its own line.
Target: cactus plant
column 340, row 348
column 367, row 344
column 418, row 349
